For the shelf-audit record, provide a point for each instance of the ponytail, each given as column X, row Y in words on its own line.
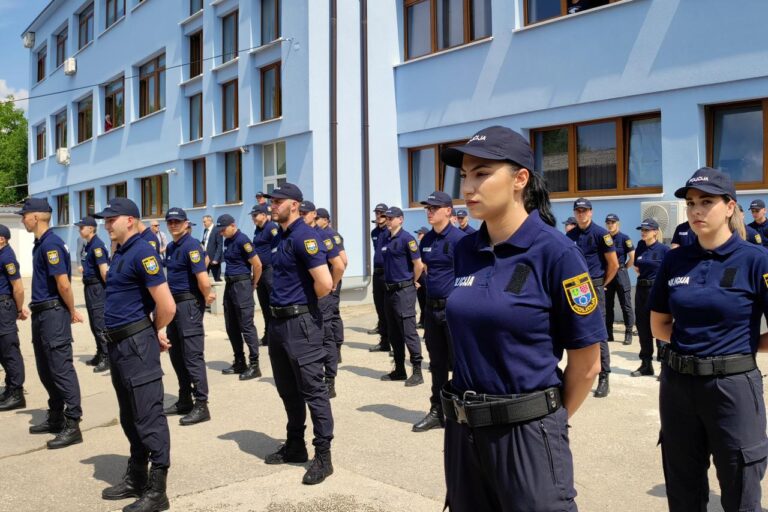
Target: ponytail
column 736, row 221
column 536, row 197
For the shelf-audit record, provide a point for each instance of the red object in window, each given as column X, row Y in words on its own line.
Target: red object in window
column 107, row 123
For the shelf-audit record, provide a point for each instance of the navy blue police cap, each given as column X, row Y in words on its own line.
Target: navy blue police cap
column 709, row 181
column 286, row 191
column 35, row 205
column 260, row 208
column 307, row 206
column 582, row 202
column 422, row 231
column 176, row 214
column 322, row 213
column 5, row 232
column 118, row 206
column 393, row 211
column 757, row 204
column 570, row 221
column 461, row 213
column 259, row 194
column 492, row 143
column 648, row 224
column 225, row 220
column 86, row 221
column 438, row 198
column 380, row 208
column 612, row 217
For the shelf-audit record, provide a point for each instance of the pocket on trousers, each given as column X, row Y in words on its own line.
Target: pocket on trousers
column 752, row 473
column 55, row 330
column 147, row 390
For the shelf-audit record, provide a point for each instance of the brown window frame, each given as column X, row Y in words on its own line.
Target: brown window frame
column 276, row 21
column 235, row 51
column 61, row 46
column 278, row 107
column 155, row 182
column 110, row 105
column 623, row 125
column 467, row 22
column 238, row 177
column 196, row 54
column 84, row 120
column 114, row 6
column 563, row 11
column 199, row 98
column 235, row 115
column 85, row 18
column 62, row 209
column 42, row 55
column 144, row 78
column 439, row 171
column 195, row 202
column 40, row 142
column 87, row 197
column 60, row 130
column 115, row 186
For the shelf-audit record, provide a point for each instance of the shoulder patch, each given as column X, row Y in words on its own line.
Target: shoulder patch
column 247, row 247
column 10, row 268
column 194, row 256
column 337, row 239
column 581, row 294
column 608, row 240
column 628, row 243
column 311, row 246
column 153, row 244
column 98, row 252
column 53, row 257
column 412, row 245
column 758, row 238
column 151, row 265
column 274, row 231
column 328, row 244
column 765, row 278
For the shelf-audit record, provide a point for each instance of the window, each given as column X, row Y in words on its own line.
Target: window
column 87, row 203
column 271, row 94
column 229, row 37
column 196, row 117
column 61, row 47
column 117, row 190
column 114, row 104
column 232, row 177
column 612, row 156
column 154, row 195
column 435, row 25
column 61, row 130
column 152, row 86
column 62, row 210
column 736, row 141
column 40, row 142
column 229, row 106
column 540, row 10
column 427, row 173
column 85, row 31
column 115, row 11
column 270, row 20
column 198, row 182
column 196, row 54
column 85, row 119
column 195, row 6
column 275, row 173
column 41, row 54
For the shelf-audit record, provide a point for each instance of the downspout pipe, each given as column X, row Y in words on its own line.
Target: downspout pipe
column 365, row 142
column 333, row 102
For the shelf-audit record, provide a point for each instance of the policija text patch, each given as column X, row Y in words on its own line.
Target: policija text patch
column 581, row 294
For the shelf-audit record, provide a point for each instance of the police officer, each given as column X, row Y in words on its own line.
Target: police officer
column 750, row 234
column 378, row 235
column 136, row 288
column 683, row 236
column 759, row 222
column 463, row 218
column 11, row 309
column 522, row 295
column 149, row 235
column 53, row 312
column 242, row 275
column 402, row 269
column 625, row 254
column 323, row 221
column 264, row 238
column 570, row 223
column 597, row 246
column 94, row 262
column 650, row 252
column 707, row 301
column 191, row 290
column 296, row 335
column 421, row 291
column 436, row 249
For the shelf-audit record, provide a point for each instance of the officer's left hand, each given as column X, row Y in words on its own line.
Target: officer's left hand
column 23, row 314
column 162, row 338
column 211, row 297
column 77, row 318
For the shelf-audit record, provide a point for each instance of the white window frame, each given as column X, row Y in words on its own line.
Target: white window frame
column 275, row 179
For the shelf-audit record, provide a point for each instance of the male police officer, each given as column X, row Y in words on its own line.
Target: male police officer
column 53, row 310
column 263, row 240
column 149, row 235
column 191, row 289
column 11, row 309
column 463, row 217
column 242, row 275
column 378, row 234
column 296, row 335
column 597, row 246
column 402, row 269
column 95, row 260
column 437, row 248
column 760, row 222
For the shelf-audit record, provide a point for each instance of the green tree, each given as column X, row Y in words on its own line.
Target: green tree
column 13, row 152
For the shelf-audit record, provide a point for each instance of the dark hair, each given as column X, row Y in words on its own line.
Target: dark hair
column 536, row 196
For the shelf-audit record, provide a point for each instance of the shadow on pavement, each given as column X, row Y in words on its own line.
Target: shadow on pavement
column 108, row 468
column 360, row 346
column 363, row 330
column 253, row 443
column 37, row 415
column 363, row 372
column 217, row 365
column 394, row 412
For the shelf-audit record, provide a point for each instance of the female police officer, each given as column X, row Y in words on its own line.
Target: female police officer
column 707, row 300
column 522, row 293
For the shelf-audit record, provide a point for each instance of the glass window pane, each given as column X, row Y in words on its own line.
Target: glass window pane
column 229, row 30
column 450, row 23
column 268, row 93
column 229, row 113
column 164, row 192
column 481, row 19
column 195, row 5
column 644, row 166
column 161, row 85
column 118, row 118
column 151, row 95
column 281, row 171
column 738, row 143
column 423, row 173
column 419, row 37
column 451, row 182
column 231, row 178
column 194, row 117
column 269, row 160
column 551, row 153
column 268, row 17
column 596, row 156
column 540, row 10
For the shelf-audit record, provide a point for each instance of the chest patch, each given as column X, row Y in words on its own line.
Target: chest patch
column 518, row 279
column 53, row 257
column 580, row 294
column 98, row 252
column 10, row 268
column 194, row 256
column 151, row 265
column 311, row 246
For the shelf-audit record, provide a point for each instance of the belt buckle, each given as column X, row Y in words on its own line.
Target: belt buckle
column 551, row 399
column 718, row 366
column 686, row 365
column 461, row 413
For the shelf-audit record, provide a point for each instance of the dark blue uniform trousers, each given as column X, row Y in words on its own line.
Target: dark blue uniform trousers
column 238, row 318
column 10, row 355
column 52, row 342
column 296, row 353
column 719, row 416
column 337, row 324
column 605, row 353
column 642, row 308
column 380, row 303
column 95, row 297
column 525, row 467
column 187, row 337
column 440, row 349
column 138, row 381
column 401, row 316
column 620, row 286
column 331, row 359
column 263, row 292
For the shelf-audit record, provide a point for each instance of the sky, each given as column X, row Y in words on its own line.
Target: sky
column 15, row 16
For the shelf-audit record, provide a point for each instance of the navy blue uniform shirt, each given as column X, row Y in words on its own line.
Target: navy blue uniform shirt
column 753, row 235
column 151, row 238
column 716, row 298
column 336, row 238
column 238, row 250
column 184, row 260
column 468, row 230
column 50, row 258
column 437, row 254
column 595, row 242
column 297, row 252
column 264, row 240
column 648, row 259
column 377, row 237
column 762, row 229
column 516, row 306
column 623, row 245
column 326, row 238
column 684, row 235
column 135, row 267
column 9, row 270
column 399, row 251
column 94, row 254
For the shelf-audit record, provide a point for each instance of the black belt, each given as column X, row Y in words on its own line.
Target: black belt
column 91, row 280
column 709, row 366
column 645, row 282
column 486, row 410
column 234, row 279
column 5, row 297
column 42, row 306
column 126, row 331
column 598, row 282
column 398, row 286
column 377, row 271
column 436, row 303
column 288, row 311
column 181, row 297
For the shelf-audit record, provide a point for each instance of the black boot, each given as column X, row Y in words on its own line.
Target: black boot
column 320, row 468
column 628, row 336
column 416, row 378
column 433, row 419
column 94, row 360
column 397, row 374
column 68, row 436
column 53, row 424
column 338, row 353
column 198, row 414
column 294, row 450
column 13, row 400
column 133, row 484
column 252, row 372
column 103, row 365
column 263, row 341
column 330, row 383
column 379, row 347
column 154, row 498
column 645, row 370
column 182, row 406
column 238, row 366
column 603, row 387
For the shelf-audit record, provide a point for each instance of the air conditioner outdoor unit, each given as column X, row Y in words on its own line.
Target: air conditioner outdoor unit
column 70, row 66
column 62, row 156
column 667, row 213
column 29, row 39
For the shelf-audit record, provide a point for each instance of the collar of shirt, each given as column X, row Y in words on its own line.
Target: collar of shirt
column 445, row 231
column 42, row 238
column 723, row 250
column 522, row 238
column 128, row 243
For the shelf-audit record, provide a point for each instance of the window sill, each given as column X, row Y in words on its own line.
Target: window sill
column 227, row 205
column 40, row 82
column 87, row 45
column 194, row 208
column 37, row 161
column 266, row 46
column 117, row 22
column 86, row 141
column 217, row 2
column 654, row 195
column 153, row 114
column 191, row 142
column 446, row 52
column 191, row 18
column 228, row 132
column 225, row 65
column 751, row 190
column 113, row 130
column 138, row 5
column 570, row 16
column 268, row 121
column 191, row 80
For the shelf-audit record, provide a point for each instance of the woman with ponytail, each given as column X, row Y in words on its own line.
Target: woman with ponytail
column 522, row 295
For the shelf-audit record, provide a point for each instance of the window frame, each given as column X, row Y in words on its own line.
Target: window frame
column 62, row 209
column 144, row 79
column 563, row 11
column 85, row 19
column 238, row 177
column 42, row 57
column 275, row 178
column 87, row 198
column 84, row 119
column 60, row 130
column 61, row 46
column 40, row 142
column 433, row 39
column 278, row 100
column 235, row 52
column 113, row 188
column 195, row 53
column 439, row 171
column 235, row 114
column 195, row 202
column 199, row 98
column 156, row 182
column 110, row 105
column 113, row 4
column 275, row 20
